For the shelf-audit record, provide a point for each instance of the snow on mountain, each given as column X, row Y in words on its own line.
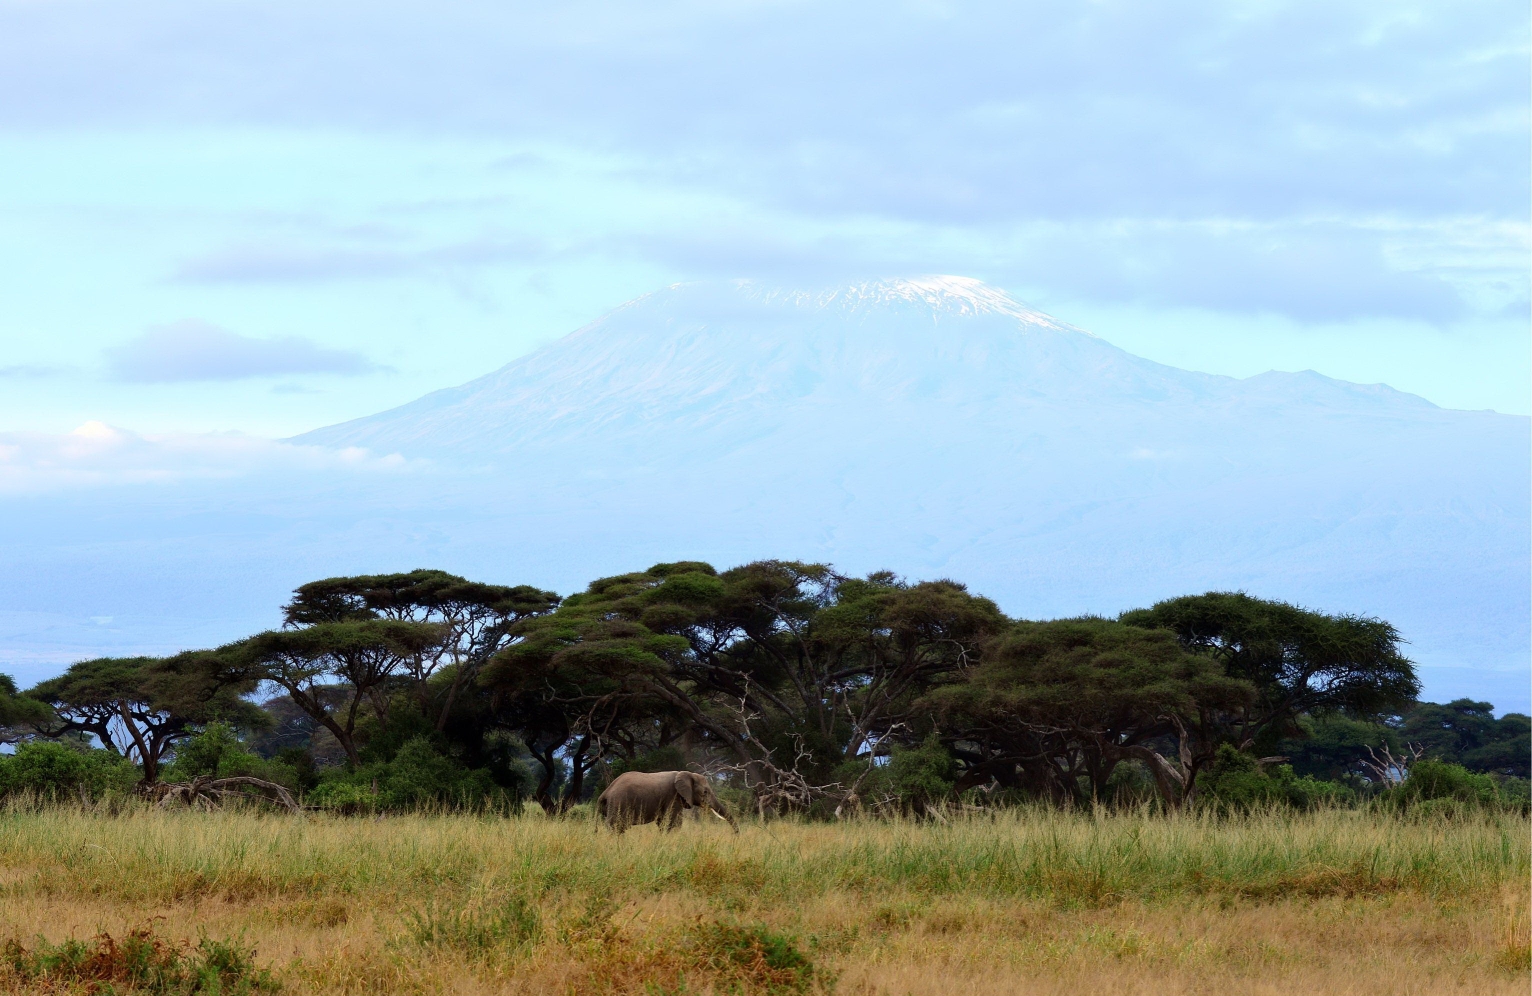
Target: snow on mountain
column 934, row 426
column 727, row 362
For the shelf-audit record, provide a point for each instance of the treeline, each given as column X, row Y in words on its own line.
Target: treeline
column 800, row 689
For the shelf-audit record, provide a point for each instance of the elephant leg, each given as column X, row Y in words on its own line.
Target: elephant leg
column 675, row 815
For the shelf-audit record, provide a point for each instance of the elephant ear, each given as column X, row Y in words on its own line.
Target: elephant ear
column 684, row 787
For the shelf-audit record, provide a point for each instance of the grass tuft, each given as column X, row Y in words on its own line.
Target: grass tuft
column 141, row 962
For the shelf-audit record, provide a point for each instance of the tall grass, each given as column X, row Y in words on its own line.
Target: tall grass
column 152, row 856
column 414, row 897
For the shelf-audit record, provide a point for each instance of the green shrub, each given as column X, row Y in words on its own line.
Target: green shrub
column 139, row 963
column 1515, row 793
column 219, row 752
column 754, row 958
column 912, row 778
column 1442, row 788
column 660, row 759
column 1131, row 784
column 923, row 775
column 419, row 776
column 1237, row 783
column 53, row 770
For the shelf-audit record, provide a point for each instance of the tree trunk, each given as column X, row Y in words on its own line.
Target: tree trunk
column 576, row 786
column 146, row 757
column 1170, row 782
column 548, row 759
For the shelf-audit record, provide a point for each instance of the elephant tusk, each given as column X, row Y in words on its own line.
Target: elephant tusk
column 720, row 817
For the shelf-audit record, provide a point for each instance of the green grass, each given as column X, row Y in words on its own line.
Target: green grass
column 153, row 856
column 1032, row 900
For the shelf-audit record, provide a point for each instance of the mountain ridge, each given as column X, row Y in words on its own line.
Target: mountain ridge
column 702, row 351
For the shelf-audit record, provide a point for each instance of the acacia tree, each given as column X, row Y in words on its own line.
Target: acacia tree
column 1466, row 732
column 474, row 621
column 140, row 706
column 19, row 714
column 329, row 669
column 787, row 669
column 1054, row 705
column 1298, row 661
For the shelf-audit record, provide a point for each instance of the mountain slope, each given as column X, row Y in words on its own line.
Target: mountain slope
column 727, row 363
column 937, row 426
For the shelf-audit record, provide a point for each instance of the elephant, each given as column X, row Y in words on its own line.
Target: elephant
column 651, row 796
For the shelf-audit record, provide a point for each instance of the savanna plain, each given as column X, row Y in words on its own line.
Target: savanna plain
column 1023, row 901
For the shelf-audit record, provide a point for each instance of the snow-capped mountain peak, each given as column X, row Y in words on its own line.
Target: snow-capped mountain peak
column 942, row 294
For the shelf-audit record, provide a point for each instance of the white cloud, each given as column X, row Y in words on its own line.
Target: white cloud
column 194, row 350
column 99, row 455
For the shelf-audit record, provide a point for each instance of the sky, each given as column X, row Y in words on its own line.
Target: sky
column 224, row 216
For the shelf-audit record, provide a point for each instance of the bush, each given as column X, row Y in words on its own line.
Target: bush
column 1450, row 789
column 217, row 751
column 52, row 770
column 660, row 759
column 921, row 776
column 754, row 958
column 912, row 779
column 1237, row 783
column 140, row 963
column 419, row 776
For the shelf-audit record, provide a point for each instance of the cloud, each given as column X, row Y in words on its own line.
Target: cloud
column 1320, row 271
column 97, row 455
column 193, row 350
column 1219, row 123
column 30, row 371
column 1006, row 110
column 296, row 263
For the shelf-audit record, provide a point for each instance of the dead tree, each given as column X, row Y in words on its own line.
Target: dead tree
column 1388, row 769
column 207, row 792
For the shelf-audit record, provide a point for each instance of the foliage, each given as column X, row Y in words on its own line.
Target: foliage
column 785, row 669
column 1334, row 746
column 356, row 656
column 1298, row 661
column 50, row 770
column 141, row 706
column 418, row 776
column 1466, row 732
column 803, row 690
column 18, row 710
column 1238, row 782
column 140, row 963
column 1438, row 785
column 753, row 958
column 1059, row 703
column 217, row 751
column 914, row 778
column 471, row 622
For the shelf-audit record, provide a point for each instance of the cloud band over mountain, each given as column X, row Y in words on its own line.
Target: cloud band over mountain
column 198, row 351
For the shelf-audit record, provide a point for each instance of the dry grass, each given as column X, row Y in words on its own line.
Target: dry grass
column 1032, row 902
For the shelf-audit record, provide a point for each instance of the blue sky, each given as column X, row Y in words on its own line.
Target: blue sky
column 266, row 217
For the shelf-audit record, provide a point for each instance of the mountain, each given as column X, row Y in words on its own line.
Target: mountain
column 716, row 366
column 933, row 427
column 937, row 427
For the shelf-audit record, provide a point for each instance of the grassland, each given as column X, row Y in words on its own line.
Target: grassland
column 1028, row 902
